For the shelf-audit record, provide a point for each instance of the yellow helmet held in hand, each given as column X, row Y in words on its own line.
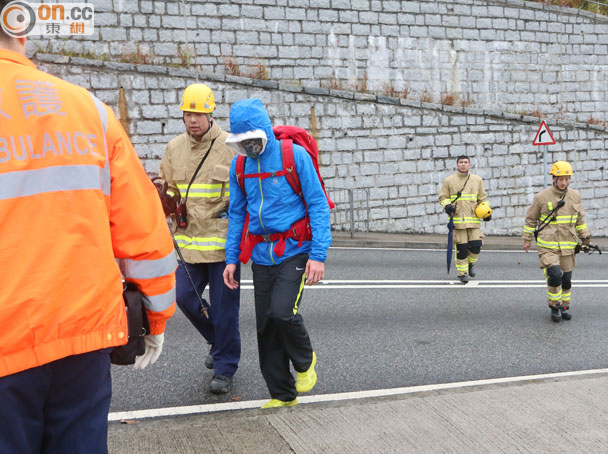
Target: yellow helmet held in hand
column 561, row 168
column 483, row 210
column 198, row 98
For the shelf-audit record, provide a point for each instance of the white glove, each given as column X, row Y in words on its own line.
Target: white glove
column 154, row 345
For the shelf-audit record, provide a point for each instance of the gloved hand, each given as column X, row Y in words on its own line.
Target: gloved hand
column 169, row 201
column 489, row 218
column 154, row 345
column 449, row 209
column 586, row 241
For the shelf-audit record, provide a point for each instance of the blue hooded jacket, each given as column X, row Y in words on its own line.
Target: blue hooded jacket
column 271, row 202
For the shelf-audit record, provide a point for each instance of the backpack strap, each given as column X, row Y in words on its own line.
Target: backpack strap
column 240, row 170
column 289, row 167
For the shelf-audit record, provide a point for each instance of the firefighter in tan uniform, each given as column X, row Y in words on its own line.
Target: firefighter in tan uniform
column 196, row 167
column 464, row 199
column 557, row 219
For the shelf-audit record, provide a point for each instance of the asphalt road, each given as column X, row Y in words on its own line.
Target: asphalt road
column 372, row 334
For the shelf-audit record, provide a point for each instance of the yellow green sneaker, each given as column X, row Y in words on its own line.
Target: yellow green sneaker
column 275, row 403
column 307, row 380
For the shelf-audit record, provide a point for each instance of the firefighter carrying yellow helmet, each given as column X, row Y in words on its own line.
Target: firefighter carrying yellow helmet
column 198, row 98
column 483, row 210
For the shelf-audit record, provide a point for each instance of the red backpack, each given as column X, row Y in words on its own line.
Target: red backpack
column 300, row 230
column 288, row 135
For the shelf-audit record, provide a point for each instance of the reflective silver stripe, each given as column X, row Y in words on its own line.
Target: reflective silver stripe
column 103, row 117
column 58, row 178
column 158, row 303
column 101, row 110
column 148, row 269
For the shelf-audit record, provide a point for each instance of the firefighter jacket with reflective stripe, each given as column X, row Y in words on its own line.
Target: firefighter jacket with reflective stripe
column 272, row 204
column 563, row 227
column 203, row 240
column 471, row 195
column 77, row 211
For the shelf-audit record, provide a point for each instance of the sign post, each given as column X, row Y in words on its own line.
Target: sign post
column 543, row 138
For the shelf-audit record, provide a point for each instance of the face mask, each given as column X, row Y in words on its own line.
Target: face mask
column 253, row 147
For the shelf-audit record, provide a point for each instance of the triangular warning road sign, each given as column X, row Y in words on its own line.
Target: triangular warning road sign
column 543, row 136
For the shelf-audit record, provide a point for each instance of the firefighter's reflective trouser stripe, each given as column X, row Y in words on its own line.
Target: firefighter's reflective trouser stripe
column 556, row 296
column 462, row 265
column 282, row 337
column 463, row 237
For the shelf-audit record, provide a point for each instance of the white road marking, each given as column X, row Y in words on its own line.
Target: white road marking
column 408, row 283
column 502, row 251
column 231, row 406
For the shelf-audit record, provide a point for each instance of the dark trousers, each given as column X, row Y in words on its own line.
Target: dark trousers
column 221, row 329
column 60, row 407
column 282, row 337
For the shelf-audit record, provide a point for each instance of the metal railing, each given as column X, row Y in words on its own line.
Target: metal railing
column 599, row 7
column 351, row 213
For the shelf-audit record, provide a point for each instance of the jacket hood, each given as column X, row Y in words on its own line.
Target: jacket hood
column 250, row 115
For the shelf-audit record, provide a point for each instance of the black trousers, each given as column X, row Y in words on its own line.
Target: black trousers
column 58, row 408
column 282, row 337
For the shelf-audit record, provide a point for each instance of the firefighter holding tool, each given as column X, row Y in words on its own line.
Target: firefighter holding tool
column 464, row 200
column 556, row 220
column 195, row 189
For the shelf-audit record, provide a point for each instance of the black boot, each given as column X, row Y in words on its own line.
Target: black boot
column 555, row 317
column 565, row 314
column 464, row 278
column 220, row 384
column 471, row 272
column 209, row 359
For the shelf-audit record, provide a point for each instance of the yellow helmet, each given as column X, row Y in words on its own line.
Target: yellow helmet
column 483, row 210
column 561, row 168
column 198, row 98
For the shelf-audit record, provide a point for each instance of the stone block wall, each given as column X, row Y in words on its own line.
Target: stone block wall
column 516, row 56
column 392, row 153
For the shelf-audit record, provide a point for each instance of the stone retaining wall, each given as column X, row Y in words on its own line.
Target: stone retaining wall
column 511, row 55
column 394, row 151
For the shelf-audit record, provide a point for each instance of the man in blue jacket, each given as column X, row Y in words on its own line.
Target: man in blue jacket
column 279, row 276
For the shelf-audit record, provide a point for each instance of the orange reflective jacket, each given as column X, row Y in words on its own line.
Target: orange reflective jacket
column 77, row 210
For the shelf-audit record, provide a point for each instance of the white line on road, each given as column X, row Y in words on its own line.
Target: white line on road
column 231, row 406
column 473, row 284
column 502, row 251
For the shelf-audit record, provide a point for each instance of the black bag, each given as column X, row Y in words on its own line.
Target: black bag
column 139, row 326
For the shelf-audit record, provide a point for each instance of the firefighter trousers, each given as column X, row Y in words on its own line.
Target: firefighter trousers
column 468, row 245
column 282, row 337
column 221, row 329
column 557, row 269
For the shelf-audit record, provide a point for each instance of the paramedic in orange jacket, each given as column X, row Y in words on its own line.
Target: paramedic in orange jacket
column 77, row 210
